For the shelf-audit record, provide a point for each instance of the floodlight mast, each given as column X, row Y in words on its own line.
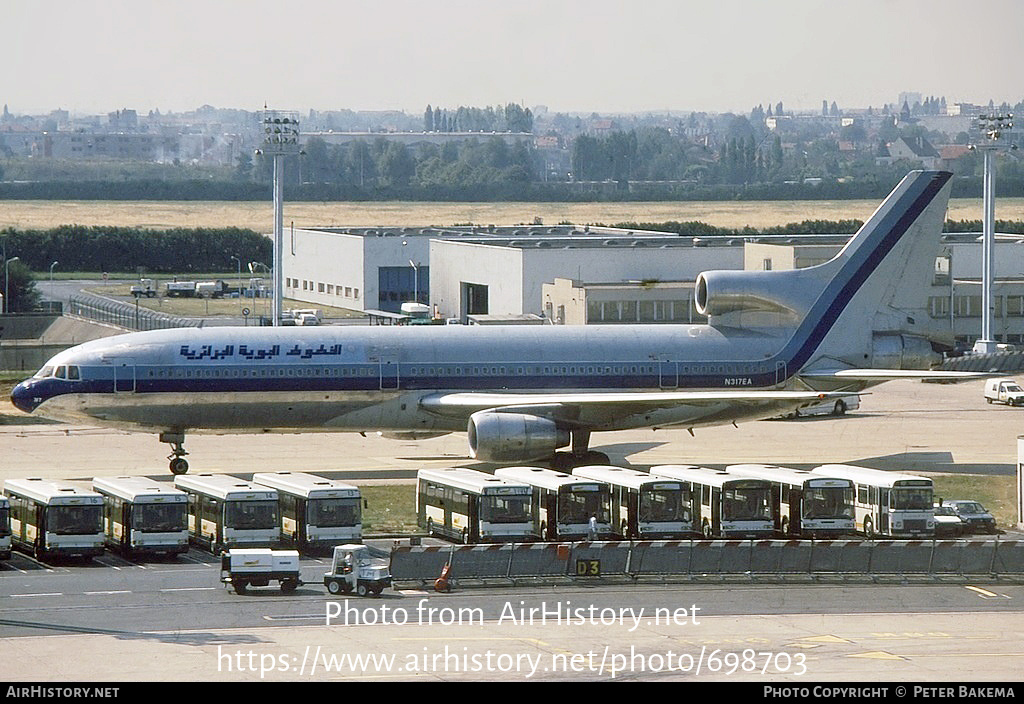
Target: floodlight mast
column 280, row 139
column 991, row 128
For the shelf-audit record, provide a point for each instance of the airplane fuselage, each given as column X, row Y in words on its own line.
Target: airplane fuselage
column 374, row 378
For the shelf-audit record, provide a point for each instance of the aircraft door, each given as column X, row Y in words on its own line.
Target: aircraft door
column 668, row 373
column 124, row 375
column 389, row 369
column 780, row 373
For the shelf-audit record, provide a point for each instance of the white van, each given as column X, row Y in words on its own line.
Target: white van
column 1006, row 391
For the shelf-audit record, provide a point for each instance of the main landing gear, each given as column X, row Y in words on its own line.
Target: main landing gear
column 579, row 456
column 178, row 463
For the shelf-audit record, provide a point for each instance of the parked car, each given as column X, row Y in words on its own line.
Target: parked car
column 835, row 408
column 976, row 519
column 947, row 523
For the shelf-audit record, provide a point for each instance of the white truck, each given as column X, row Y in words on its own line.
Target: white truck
column 181, row 289
column 1006, row 391
column 145, row 287
column 354, row 568
column 256, row 567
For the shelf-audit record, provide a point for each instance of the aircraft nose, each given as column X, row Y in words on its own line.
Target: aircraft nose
column 22, row 398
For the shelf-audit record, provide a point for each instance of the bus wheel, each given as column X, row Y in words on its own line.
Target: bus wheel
column 785, row 525
column 869, row 527
column 705, row 530
column 430, row 526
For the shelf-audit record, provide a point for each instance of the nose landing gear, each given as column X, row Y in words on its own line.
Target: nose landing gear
column 178, row 463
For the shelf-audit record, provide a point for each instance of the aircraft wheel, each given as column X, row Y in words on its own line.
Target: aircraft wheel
column 179, row 465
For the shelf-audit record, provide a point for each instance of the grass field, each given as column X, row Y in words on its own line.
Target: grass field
column 29, row 214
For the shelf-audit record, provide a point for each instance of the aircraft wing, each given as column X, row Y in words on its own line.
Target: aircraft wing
column 616, row 409
column 878, row 375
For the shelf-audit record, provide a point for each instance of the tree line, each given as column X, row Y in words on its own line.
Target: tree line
column 127, row 249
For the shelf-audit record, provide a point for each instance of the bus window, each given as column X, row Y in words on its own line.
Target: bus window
column 828, row 502
column 70, row 520
column 250, row 514
column 663, row 506
column 746, row 504
column 911, row 499
column 332, row 513
column 158, row 518
column 578, row 507
column 505, row 509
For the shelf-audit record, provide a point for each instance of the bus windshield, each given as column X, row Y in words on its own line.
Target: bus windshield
column 912, row 499
column 74, row 520
column 505, row 509
column 333, row 513
column 159, row 518
column 579, row 506
column 250, row 515
column 828, row 502
column 746, row 504
column 664, row 505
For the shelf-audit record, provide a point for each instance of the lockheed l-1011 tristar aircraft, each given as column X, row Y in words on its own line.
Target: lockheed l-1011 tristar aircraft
column 775, row 341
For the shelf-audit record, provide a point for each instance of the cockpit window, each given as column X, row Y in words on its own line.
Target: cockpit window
column 44, row 372
column 73, row 374
column 61, row 373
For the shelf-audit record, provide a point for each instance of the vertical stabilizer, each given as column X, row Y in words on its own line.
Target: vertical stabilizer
column 878, row 284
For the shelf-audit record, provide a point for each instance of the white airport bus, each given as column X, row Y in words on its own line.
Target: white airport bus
column 644, row 507
column 804, row 504
column 473, row 507
column 55, row 518
column 143, row 516
column 725, row 506
column 225, row 512
column 563, row 505
column 316, row 513
column 888, row 503
column 5, row 528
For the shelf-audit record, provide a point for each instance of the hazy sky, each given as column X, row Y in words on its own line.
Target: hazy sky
column 95, row 56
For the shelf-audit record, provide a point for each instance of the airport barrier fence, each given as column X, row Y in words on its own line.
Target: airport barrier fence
column 699, row 558
column 124, row 315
